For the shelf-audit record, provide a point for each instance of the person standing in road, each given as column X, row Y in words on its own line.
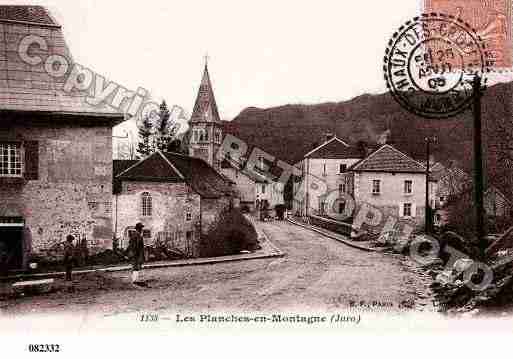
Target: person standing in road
column 137, row 253
column 69, row 250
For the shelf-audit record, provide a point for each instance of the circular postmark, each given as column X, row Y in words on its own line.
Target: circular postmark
column 430, row 65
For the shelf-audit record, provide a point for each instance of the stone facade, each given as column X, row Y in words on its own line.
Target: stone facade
column 178, row 198
column 175, row 214
column 71, row 194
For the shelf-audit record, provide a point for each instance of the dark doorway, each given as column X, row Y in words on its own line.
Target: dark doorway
column 11, row 248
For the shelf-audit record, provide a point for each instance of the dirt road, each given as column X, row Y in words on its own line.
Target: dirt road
column 317, row 274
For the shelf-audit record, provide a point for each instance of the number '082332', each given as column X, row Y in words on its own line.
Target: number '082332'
column 44, row 348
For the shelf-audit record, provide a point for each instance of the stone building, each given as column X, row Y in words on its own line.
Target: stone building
column 55, row 149
column 177, row 197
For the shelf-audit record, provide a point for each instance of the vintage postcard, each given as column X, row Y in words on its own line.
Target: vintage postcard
column 175, row 173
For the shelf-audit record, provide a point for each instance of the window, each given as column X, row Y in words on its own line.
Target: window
column 146, row 204
column 146, row 233
column 407, row 210
column 263, row 188
column 343, row 168
column 195, row 136
column 408, row 186
column 342, row 187
column 10, row 160
column 376, row 186
column 442, row 198
column 188, row 235
column 218, row 136
column 188, row 216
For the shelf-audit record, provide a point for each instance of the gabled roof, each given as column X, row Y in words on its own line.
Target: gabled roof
column 175, row 167
column 334, row 148
column 26, row 14
column 29, row 88
column 205, row 108
column 388, row 159
column 155, row 167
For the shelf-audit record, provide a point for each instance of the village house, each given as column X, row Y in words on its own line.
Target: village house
column 178, row 198
column 451, row 181
column 253, row 186
column 55, row 149
column 327, row 163
column 392, row 181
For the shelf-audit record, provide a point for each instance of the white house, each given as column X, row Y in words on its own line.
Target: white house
column 323, row 170
column 392, row 181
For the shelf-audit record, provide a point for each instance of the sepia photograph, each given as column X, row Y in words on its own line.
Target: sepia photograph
column 315, row 171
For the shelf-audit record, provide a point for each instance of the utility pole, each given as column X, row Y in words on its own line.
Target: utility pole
column 428, row 214
column 478, row 166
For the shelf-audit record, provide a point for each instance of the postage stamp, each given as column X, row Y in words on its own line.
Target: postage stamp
column 492, row 21
column 430, row 64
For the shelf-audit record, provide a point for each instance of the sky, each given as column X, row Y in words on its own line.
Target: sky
column 261, row 53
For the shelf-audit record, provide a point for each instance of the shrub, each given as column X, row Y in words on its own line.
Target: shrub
column 232, row 234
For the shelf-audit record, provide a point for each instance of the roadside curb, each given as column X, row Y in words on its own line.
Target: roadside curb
column 272, row 252
column 335, row 237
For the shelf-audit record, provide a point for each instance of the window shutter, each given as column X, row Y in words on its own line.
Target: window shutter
column 401, row 210
column 413, row 210
column 31, row 160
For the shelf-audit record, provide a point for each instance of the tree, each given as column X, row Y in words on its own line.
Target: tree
column 164, row 133
column 146, row 142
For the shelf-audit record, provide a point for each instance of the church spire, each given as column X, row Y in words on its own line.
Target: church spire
column 205, row 108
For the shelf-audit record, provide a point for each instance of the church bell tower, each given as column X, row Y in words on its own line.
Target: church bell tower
column 205, row 125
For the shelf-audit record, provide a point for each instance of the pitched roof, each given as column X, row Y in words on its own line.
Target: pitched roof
column 388, row 159
column 26, row 13
column 334, row 148
column 175, row 167
column 200, row 175
column 155, row 167
column 119, row 166
column 205, row 108
column 29, row 88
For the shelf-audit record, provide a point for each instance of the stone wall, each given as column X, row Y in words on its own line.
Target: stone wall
column 72, row 194
column 170, row 204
